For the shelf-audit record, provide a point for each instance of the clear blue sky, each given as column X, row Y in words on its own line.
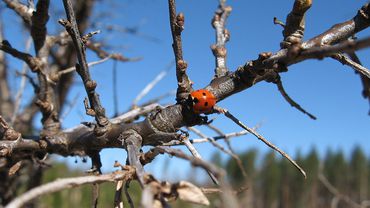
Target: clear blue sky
column 327, row 89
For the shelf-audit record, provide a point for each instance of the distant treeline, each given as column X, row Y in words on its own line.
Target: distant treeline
column 270, row 182
column 274, row 182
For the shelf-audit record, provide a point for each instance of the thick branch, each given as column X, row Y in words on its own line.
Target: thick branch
column 335, row 34
column 160, row 127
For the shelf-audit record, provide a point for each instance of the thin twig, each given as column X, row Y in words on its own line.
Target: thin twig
column 347, row 61
column 66, row 183
column 260, row 137
column 203, row 140
column 21, row 9
column 220, row 133
column 32, row 62
column 220, row 147
column 219, row 173
column 294, row 104
column 196, row 154
column 97, row 48
column 335, row 191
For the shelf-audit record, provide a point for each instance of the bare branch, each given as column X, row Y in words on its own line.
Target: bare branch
column 83, row 69
column 22, row 10
column 260, row 137
column 196, row 154
column 67, row 183
column 219, row 173
column 220, row 133
column 222, row 36
column 7, row 132
column 177, row 25
column 294, row 104
column 336, row 34
column 347, row 61
column 343, row 47
column 365, row 80
column 220, row 147
column 97, row 48
column 295, row 23
column 114, row 87
column 335, row 192
column 32, row 62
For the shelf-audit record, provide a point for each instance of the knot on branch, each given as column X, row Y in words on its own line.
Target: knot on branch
column 294, row 49
column 180, row 21
column 55, row 77
column 226, row 35
column 218, row 51
column 182, row 65
column 89, row 111
column 45, row 107
column 34, row 63
column 161, row 122
column 91, row 85
column 11, row 134
column 365, row 12
column 293, row 38
column 8, row 132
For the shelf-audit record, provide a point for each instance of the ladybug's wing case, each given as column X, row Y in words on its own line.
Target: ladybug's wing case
column 203, row 101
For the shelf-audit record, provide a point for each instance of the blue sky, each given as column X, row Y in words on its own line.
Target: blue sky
column 327, row 89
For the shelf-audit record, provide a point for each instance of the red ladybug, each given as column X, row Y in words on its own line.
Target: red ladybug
column 203, row 101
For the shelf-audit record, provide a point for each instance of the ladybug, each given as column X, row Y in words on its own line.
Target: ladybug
column 202, row 101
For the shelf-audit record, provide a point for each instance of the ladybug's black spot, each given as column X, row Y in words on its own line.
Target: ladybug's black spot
column 204, row 94
column 206, row 104
column 195, row 100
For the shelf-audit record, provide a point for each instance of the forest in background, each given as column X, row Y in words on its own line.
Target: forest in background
column 271, row 182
